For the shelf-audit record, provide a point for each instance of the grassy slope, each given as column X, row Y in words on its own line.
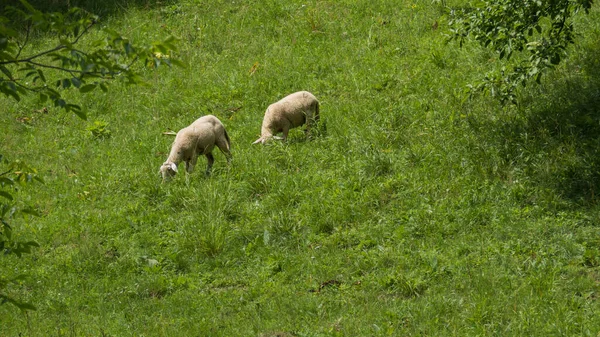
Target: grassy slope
column 415, row 211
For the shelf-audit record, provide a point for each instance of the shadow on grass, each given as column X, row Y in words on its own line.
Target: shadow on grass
column 555, row 140
column 102, row 8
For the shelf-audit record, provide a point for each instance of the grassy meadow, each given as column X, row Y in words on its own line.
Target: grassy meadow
column 413, row 210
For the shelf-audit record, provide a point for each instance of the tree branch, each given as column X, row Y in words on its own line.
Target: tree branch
column 26, row 87
column 21, row 47
column 84, row 31
column 3, row 173
column 57, row 48
column 70, row 71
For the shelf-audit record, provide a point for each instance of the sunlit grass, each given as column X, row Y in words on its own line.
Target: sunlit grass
column 415, row 210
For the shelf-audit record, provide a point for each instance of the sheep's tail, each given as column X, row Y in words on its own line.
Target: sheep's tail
column 227, row 139
column 316, row 117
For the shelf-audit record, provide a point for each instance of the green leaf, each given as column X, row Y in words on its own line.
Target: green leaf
column 87, row 88
column 76, row 82
column 25, row 306
column 178, row 63
column 6, row 181
column 66, row 43
column 112, row 33
column 31, row 211
column 77, row 110
column 169, row 42
column 162, row 48
column 6, row 195
column 32, row 244
column 129, row 48
column 28, row 6
column 170, row 38
column 21, row 277
column 7, row 231
column 41, row 73
column 6, row 72
column 7, row 89
column 89, row 67
column 24, row 247
column 31, row 73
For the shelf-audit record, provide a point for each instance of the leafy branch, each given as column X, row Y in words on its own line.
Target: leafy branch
column 15, row 174
column 24, row 70
column 110, row 58
column 540, row 29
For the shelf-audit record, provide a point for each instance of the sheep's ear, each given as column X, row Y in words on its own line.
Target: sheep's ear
column 174, row 167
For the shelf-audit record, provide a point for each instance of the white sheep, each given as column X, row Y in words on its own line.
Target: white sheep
column 291, row 111
column 199, row 138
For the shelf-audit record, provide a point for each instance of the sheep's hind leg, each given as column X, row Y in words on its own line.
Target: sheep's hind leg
column 306, row 122
column 211, row 161
column 311, row 122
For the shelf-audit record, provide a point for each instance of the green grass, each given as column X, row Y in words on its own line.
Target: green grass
column 415, row 211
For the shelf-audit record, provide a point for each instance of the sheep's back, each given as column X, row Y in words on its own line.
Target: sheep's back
column 210, row 119
column 294, row 107
column 214, row 122
column 301, row 99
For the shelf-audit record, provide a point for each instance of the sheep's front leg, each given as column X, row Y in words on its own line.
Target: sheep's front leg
column 285, row 131
column 307, row 130
column 211, row 160
column 190, row 164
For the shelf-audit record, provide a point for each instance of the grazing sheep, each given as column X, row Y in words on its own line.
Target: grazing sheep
column 290, row 112
column 197, row 139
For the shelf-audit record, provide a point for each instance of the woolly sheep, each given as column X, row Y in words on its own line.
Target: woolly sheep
column 291, row 111
column 199, row 138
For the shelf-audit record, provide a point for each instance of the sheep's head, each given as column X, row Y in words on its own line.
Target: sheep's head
column 168, row 171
